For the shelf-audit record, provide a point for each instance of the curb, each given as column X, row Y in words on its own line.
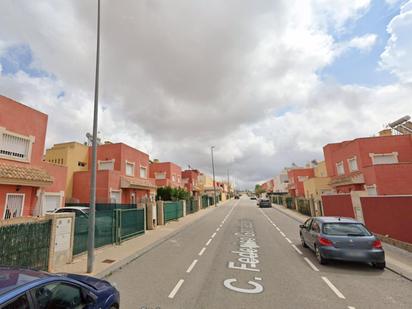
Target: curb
column 127, row 260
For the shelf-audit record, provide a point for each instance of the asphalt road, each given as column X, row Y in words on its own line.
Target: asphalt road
column 241, row 256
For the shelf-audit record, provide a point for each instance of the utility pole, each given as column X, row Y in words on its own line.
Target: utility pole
column 92, row 211
column 213, row 169
column 228, row 183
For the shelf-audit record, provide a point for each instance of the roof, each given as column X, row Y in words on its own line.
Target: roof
column 22, row 175
column 12, row 278
column 336, row 220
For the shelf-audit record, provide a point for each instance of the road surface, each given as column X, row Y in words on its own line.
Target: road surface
column 242, row 256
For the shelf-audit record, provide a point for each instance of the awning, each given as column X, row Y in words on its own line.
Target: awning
column 24, row 176
column 137, row 183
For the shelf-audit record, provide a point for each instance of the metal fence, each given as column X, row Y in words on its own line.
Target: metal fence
column 129, row 223
column 25, row 245
column 190, row 206
column 109, row 219
column 205, row 201
column 172, row 210
column 304, row 206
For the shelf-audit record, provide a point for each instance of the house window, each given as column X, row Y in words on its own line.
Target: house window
column 143, row 172
column 160, row 175
column 106, row 165
column 340, row 168
column 353, row 164
column 302, row 178
column 116, row 197
column 384, row 158
column 81, row 164
column 173, row 178
column 129, row 169
column 14, row 205
column 178, row 179
column 15, row 146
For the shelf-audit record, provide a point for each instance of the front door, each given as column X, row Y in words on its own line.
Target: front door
column 14, row 206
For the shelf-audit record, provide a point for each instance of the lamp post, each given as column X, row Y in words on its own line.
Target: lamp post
column 213, row 169
column 92, row 211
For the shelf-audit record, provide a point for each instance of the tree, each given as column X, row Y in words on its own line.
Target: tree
column 259, row 190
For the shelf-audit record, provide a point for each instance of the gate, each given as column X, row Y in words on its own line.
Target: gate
column 25, row 245
column 114, row 223
column 129, row 223
column 205, row 201
column 190, row 206
column 172, row 211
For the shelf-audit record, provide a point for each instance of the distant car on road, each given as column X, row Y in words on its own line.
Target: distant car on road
column 31, row 289
column 264, row 202
column 237, row 197
column 253, row 197
column 335, row 238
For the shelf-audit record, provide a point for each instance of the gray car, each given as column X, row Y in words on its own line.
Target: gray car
column 345, row 239
column 264, row 202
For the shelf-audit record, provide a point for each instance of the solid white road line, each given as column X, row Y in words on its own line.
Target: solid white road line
column 351, row 307
column 333, row 288
column 208, row 242
column 191, row 266
column 311, row 264
column 213, row 235
column 202, row 251
column 288, row 240
column 297, row 249
column 278, row 229
column 177, row 287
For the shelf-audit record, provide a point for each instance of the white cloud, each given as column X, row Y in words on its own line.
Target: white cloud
column 363, row 43
column 178, row 77
column 397, row 55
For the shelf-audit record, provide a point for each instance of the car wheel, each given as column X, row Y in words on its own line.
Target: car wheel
column 319, row 257
column 380, row 265
column 304, row 245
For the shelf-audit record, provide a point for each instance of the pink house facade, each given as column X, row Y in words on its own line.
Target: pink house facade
column 28, row 185
column 122, row 176
column 166, row 174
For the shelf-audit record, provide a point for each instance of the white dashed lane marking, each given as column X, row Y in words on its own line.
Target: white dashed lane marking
column 202, row 251
column 176, row 288
column 333, row 288
column 191, row 266
column 311, row 264
column 297, row 249
column 208, row 242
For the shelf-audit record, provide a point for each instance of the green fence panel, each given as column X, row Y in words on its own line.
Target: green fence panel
column 129, row 223
column 25, row 245
column 172, row 210
column 304, row 206
column 104, row 230
column 190, row 206
column 289, row 202
column 205, row 201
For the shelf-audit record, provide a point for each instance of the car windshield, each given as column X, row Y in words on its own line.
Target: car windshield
column 345, row 229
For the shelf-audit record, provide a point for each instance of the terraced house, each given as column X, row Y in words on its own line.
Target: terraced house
column 166, row 174
column 28, row 185
column 122, row 176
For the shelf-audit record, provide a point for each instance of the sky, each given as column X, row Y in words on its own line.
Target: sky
column 268, row 83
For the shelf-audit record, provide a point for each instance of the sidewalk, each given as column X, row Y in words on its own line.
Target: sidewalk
column 112, row 257
column 397, row 260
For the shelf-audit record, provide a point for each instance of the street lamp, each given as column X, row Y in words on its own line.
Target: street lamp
column 213, row 169
column 92, row 211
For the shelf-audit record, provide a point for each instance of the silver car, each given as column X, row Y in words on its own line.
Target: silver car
column 335, row 238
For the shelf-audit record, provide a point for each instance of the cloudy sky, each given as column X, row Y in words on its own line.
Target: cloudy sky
column 268, row 82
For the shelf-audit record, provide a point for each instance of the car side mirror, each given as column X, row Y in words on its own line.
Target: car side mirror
column 89, row 297
column 302, row 226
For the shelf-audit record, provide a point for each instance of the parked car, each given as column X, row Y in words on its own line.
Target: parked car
column 336, row 238
column 253, row 197
column 237, row 197
column 264, row 202
column 78, row 210
column 30, row 289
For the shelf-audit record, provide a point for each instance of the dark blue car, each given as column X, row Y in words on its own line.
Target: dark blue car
column 31, row 289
